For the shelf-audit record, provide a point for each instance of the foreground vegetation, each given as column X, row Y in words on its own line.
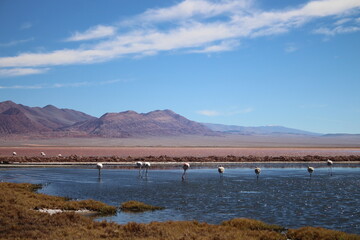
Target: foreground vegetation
column 19, row 219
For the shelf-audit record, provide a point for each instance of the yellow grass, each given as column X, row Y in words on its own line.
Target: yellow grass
column 19, row 220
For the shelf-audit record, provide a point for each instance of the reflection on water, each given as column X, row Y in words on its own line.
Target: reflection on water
column 282, row 195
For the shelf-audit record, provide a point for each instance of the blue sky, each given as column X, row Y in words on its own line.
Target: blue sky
column 242, row 62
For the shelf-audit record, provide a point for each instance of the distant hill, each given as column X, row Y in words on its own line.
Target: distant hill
column 20, row 119
column 14, row 121
column 263, row 130
column 51, row 122
column 133, row 124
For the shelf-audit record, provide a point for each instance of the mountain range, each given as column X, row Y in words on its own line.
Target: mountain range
column 50, row 121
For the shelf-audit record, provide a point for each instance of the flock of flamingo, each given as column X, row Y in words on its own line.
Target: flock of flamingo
column 186, row 166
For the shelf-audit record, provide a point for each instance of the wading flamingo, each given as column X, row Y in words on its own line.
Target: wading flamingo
column 43, row 154
column 14, row 154
column 146, row 166
column 139, row 165
column 221, row 170
column 185, row 166
column 99, row 166
column 310, row 170
column 330, row 163
column 59, row 155
column 257, row 172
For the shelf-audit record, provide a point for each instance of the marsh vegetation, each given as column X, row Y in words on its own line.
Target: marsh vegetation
column 20, row 220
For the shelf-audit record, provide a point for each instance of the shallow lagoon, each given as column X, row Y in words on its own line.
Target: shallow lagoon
column 284, row 193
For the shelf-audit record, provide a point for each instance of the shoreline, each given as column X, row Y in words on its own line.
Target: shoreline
column 158, row 164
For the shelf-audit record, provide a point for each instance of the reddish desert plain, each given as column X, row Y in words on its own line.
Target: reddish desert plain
column 124, row 152
column 188, row 146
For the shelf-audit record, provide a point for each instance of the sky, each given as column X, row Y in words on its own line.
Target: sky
column 293, row 63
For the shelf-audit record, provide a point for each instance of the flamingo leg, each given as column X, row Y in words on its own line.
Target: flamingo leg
column 183, row 177
column 139, row 171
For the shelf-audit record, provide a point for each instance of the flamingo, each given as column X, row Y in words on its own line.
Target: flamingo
column 257, row 171
column 43, row 154
column 185, row 166
column 330, row 163
column 310, row 170
column 14, row 154
column 99, row 166
column 147, row 166
column 221, row 170
column 59, row 155
column 139, row 165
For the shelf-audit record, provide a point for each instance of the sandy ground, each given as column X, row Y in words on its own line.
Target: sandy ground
column 176, row 151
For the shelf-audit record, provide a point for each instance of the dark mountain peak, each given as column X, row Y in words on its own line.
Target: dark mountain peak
column 162, row 113
column 50, row 107
column 9, row 102
column 120, row 114
column 130, row 123
column 129, row 112
column 12, row 111
column 6, row 105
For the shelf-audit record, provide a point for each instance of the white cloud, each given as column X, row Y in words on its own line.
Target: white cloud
column 15, row 42
column 190, row 26
column 13, row 72
column 209, row 113
column 95, row 32
column 62, row 85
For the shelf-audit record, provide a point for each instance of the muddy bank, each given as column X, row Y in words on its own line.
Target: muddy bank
column 169, row 159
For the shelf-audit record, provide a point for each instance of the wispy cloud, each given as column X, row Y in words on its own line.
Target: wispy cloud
column 289, row 48
column 62, row 85
column 209, row 113
column 16, row 42
column 26, row 25
column 191, row 26
column 214, row 113
column 341, row 26
column 189, row 9
column 227, row 45
column 337, row 30
column 95, row 32
column 13, row 72
column 313, row 106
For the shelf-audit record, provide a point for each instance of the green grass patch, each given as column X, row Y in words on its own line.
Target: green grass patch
column 135, row 206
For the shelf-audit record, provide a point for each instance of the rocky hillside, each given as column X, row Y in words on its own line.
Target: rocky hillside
column 20, row 119
column 133, row 124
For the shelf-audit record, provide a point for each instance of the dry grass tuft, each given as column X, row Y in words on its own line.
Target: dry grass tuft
column 135, row 206
column 309, row 233
column 18, row 220
column 243, row 223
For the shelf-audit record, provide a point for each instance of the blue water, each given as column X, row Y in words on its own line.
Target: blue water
column 283, row 195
